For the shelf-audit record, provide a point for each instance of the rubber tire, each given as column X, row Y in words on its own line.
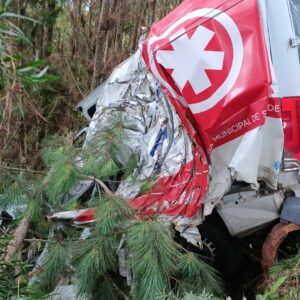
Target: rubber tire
column 230, row 258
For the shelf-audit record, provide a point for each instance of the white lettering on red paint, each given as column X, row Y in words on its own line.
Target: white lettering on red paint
column 237, row 127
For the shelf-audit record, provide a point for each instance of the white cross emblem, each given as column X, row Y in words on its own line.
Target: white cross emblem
column 190, row 60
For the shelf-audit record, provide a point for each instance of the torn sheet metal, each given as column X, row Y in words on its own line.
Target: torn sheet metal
column 169, row 159
column 217, row 73
column 82, row 216
column 191, row 235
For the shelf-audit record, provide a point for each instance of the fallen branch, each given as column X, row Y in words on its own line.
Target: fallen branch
column 19, row 236
column 107, row 191
column 21, row 170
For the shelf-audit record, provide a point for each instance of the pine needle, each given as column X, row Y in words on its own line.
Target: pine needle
column 55, row 148
column 35, row 207
column 56, row 263
column 204, row 295
column 105, row 290
column 113, row 214
column 93, row 258
column 15, row 192
column 153, row 257
column 197, row 275
column 88, row 267
column 61, row 178
column 129, row 167
column 108, row 169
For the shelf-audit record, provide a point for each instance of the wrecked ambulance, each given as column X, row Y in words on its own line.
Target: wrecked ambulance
column 211, row 103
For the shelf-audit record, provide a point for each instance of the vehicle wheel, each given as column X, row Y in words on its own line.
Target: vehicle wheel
column 219, row 249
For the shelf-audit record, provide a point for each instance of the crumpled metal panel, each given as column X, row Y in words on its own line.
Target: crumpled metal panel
column 153, row 132
column 218, row 75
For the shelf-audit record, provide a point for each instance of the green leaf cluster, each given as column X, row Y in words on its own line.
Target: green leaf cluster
column 11, row 270
column 56, row 263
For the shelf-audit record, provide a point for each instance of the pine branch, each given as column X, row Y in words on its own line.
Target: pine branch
column 21, row 170
column 61, row 178
column 15, row 190
column 113, row 214
column 153, row 257
column 93, row 258
column 107, row 191
column 56, row 263
column 197, row 275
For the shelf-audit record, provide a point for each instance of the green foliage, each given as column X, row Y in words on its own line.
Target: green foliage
column 113, row 214
column 55, row 148
column 285, row 276
column 11, row 68
column 56, row 263
column 149, row 243
column 204, row 295
column 104, row 290
column 107, row 169
column 7, row 28
column 13, row 191
column 129, row 167
column 13, row 277
column 96, row 256
column 61, row 178
column 92, row 259
column 191, row 267
column 153, row 258
column 156, row 261
column 36, row 206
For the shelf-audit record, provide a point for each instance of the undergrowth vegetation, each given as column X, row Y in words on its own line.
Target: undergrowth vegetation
column 155, row 265
column 52, row 53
